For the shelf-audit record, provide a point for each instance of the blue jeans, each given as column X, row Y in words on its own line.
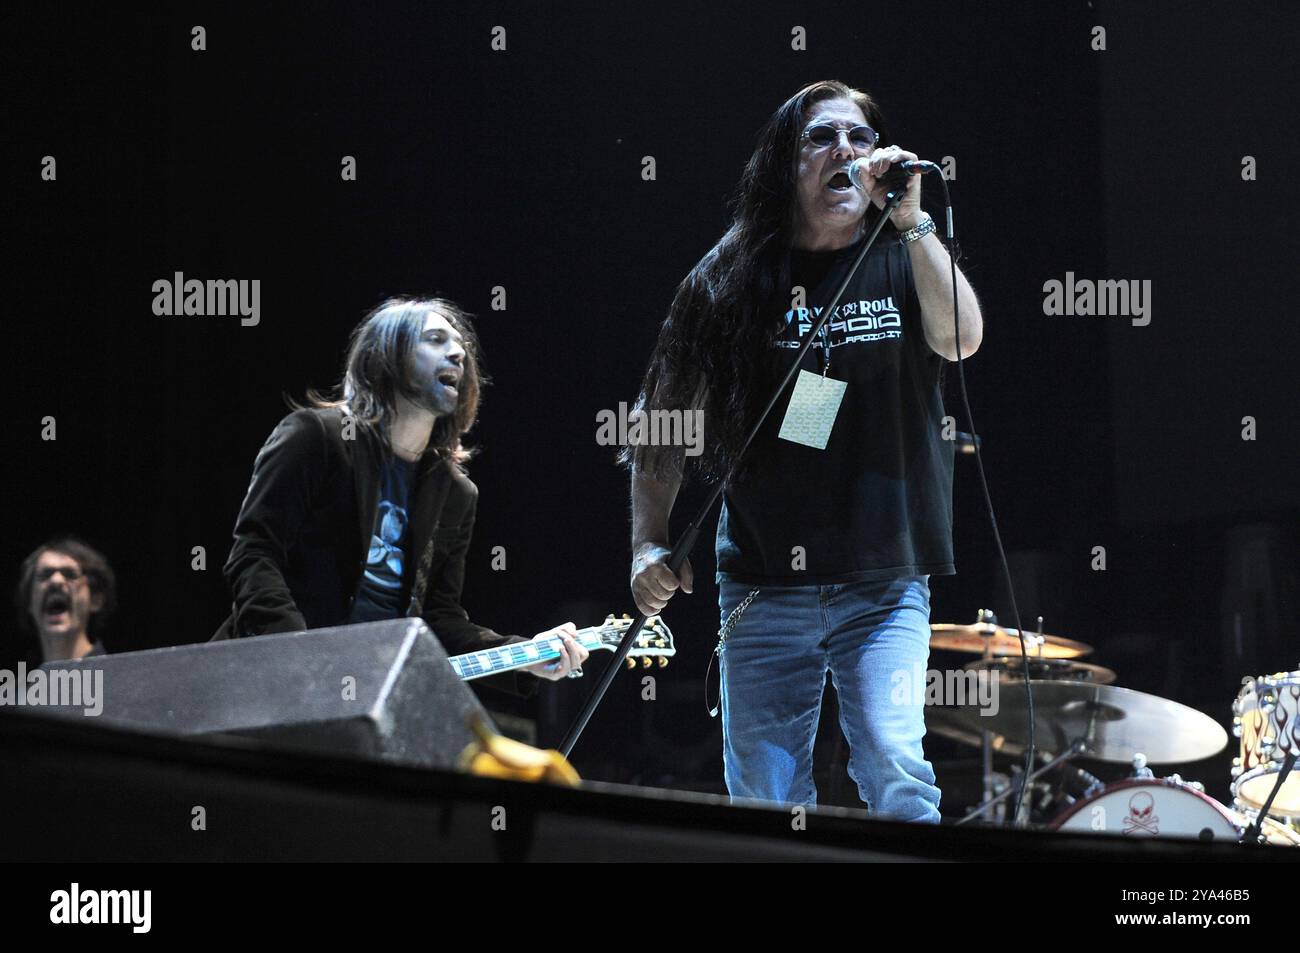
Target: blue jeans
column 774, row 665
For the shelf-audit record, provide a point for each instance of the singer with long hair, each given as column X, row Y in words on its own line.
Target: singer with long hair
column 841, row 510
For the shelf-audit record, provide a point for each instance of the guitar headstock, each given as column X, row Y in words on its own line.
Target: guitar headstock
column 655, row 640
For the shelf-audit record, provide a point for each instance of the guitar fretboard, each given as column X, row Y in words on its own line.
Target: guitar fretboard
column 504, row 658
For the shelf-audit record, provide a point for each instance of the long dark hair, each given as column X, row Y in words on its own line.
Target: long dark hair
column 375, row 372
column 715, row 349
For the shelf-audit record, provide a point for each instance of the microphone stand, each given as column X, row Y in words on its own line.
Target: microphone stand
column 898, row 189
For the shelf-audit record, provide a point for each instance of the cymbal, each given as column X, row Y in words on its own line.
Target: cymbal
column 1114, row 723
column 1059, row 669
column 949, row 723
column 999, row 641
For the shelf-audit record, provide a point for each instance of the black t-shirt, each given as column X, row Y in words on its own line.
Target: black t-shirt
column 876, row 504
column 381, row 594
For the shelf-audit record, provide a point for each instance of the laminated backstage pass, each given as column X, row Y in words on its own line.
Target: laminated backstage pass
column 813, row 406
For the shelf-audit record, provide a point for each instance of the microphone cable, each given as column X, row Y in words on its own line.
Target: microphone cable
column 988, row 499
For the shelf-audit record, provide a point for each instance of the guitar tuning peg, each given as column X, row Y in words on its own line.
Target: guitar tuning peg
column 631, row 663
column 647, row 661
column 626, row 617
column 660, row 644
column 609, row 618
column 663, row 661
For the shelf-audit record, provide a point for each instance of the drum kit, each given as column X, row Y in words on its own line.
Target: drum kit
column 1080, row 713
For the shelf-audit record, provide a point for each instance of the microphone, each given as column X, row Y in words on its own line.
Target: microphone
column 895, row 177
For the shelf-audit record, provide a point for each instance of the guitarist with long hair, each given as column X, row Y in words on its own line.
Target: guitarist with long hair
column 359, row 508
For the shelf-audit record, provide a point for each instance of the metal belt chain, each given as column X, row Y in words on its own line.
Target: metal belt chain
column 732, row 621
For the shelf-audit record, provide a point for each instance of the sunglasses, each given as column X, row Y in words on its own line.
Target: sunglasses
column 822, row 135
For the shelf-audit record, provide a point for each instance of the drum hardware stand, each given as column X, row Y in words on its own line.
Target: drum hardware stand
column 1252, row 833
column 1077, row 747
column 994, row 793
column 986, row 617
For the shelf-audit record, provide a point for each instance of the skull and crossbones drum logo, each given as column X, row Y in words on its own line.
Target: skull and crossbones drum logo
column 1150, row 807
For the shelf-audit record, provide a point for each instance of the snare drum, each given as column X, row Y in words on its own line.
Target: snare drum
column 1150, row 807
column 1266, row 717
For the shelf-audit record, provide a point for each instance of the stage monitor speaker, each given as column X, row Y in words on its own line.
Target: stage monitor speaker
column 380, row 689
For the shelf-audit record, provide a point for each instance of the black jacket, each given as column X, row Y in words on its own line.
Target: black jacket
column 304, row 531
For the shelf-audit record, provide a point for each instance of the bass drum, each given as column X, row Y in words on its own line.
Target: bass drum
column 1150, row 807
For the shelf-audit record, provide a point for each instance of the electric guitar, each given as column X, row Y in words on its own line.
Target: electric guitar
column 654, row 641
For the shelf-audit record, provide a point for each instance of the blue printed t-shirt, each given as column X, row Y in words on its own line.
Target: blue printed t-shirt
column 381, row 594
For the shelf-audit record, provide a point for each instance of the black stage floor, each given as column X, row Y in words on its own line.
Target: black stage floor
column 75, row 793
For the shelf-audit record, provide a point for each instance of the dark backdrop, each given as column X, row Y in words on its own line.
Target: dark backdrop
column 522, row 169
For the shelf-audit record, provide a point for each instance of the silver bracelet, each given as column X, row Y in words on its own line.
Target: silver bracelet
column 920, row 231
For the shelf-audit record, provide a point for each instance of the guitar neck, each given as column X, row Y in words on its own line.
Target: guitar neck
column 507, row 658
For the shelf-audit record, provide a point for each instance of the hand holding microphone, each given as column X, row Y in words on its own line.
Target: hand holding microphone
column 887, row 169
